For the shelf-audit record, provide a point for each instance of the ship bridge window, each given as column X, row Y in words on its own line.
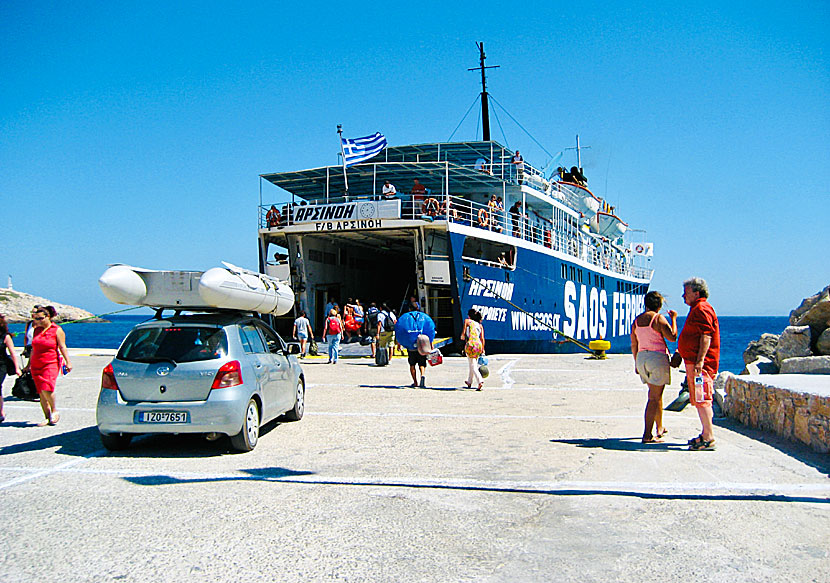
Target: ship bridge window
column 489, row 253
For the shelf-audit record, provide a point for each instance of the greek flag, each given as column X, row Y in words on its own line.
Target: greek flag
column 361, row 149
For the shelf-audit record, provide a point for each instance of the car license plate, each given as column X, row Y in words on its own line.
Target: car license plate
column 162, row 417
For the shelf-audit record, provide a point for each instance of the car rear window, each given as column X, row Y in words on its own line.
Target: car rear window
column 174, row 343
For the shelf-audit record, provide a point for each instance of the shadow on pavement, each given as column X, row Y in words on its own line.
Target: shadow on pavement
column 183, row 445
column 623, row 444
column 797, row 450
column 79, row 442
column 277, row 475
column 410, row 388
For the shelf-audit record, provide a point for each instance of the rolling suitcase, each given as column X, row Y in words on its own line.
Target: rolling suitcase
column 381, row 357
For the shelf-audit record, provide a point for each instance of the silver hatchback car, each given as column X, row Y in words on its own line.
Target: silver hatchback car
column 214, row 373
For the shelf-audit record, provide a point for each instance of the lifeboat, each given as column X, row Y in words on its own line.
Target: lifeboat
column 229, row 287
column 607, row 225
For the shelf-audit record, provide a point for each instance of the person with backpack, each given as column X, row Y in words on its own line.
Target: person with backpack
column 386, row 331
column 415, row 331
column 372, row 313
column 333, row 333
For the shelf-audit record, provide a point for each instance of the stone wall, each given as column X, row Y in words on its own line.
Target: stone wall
column 796, row 407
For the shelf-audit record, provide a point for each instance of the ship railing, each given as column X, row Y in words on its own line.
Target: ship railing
column 463, row 211
column 593, row 250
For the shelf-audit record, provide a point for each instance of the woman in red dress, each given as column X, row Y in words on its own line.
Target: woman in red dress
column 48, row 354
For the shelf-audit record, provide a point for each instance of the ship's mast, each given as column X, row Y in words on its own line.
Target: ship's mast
column 485, row 107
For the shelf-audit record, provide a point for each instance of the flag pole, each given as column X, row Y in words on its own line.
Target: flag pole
column 343, row 153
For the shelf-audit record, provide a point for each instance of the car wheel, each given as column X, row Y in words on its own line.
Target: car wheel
column 116, row 441
column 296, row 413
column 246, row 439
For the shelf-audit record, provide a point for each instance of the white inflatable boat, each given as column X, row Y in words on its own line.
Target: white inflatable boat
column 228, row 287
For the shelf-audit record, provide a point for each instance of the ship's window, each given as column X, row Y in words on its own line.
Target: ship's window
column 436, row 243
column 579, row 275
column 564, row 271
column 489, row 253
column 573, row 273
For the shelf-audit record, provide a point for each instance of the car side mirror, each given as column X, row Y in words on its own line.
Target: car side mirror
column 293, row 348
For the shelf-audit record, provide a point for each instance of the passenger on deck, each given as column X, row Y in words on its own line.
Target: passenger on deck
column 418, row 190
column 503, row 259
column 481, row 166
column 516, row 216
column 519, row 163
column 493, row 210
column 449, row 211
column 273, row 216
column 388, row 190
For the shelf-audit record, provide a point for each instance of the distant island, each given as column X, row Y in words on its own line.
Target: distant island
column 17, row 306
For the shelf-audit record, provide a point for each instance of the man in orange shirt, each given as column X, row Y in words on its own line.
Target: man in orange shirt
column 699, row 346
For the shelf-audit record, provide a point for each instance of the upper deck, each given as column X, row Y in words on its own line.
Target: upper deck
column 461, row 178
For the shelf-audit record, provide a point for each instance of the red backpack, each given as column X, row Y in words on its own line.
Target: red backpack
column 334, row 325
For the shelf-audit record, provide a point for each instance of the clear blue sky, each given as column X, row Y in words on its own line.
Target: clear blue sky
column 136, row 132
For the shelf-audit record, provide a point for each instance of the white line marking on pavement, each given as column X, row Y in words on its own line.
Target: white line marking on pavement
column 504, row 373
column 46, row 471
column 525, row 486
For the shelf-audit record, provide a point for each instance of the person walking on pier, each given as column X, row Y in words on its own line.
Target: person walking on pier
column 9, row 365
column 302, row 330
column 699, row 346
column 48, row 354
column 332, row 334
column 473, row 336
column 651, row 360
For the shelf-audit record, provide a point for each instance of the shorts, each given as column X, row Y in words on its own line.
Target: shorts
column 302, row 336
column 386, row 339
column 416, row 358
column 653, row 367
column 708, row 386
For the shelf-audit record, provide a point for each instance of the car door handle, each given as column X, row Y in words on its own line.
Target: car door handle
column 258, row 365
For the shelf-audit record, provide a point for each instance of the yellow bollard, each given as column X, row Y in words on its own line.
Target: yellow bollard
column 599, row 347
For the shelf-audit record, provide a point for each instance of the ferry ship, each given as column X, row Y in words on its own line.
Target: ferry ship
column 550, row 269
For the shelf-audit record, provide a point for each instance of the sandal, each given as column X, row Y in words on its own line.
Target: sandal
column 43, row 423
column 695, row 440
column 479, row 386
column 656, row 439
column 53, row 420
column 703, row 445
column 469, row 384
column 662, row 433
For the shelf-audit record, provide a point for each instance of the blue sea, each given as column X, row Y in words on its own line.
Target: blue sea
column 735, row 333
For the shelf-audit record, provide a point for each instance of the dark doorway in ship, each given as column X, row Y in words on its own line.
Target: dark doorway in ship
column 370, row 266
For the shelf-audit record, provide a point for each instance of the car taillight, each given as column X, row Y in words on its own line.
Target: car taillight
column 229, row 375
column 108, row 378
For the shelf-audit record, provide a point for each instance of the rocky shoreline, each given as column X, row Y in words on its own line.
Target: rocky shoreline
column 17, row 307
column 803, row 347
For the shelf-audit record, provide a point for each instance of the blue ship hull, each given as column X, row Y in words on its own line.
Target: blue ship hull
column 560, row 294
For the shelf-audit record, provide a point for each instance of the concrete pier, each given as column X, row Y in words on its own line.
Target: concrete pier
column 539, row 477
